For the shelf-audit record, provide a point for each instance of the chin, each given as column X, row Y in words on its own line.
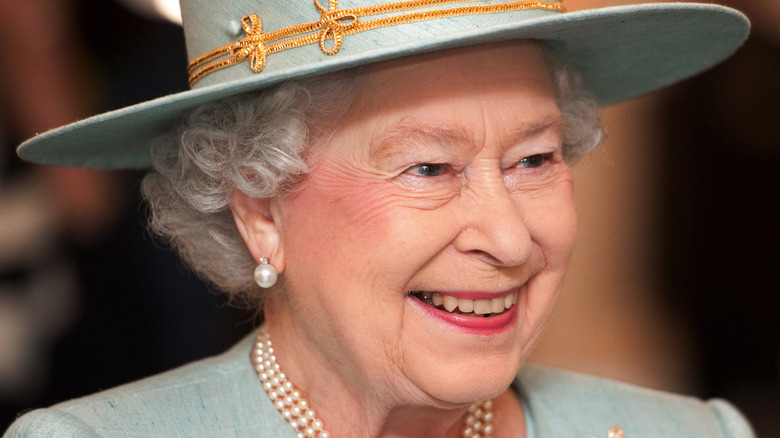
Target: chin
column 466, row 378
column 458, row 389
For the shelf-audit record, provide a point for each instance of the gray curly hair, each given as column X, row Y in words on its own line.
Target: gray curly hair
column 257, row 143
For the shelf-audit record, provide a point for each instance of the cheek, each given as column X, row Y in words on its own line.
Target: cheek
column 552, row 221
column 338, row 218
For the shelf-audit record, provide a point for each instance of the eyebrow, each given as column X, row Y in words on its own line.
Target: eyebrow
column 413, row 136
column 554, row 124
column 405, row 137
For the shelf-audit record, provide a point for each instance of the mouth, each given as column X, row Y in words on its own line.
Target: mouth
column 480, row 308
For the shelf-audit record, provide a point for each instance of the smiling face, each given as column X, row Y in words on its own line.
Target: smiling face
column 425, row 251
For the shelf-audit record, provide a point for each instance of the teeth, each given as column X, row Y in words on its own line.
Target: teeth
column 478, row 307
column 497, row 305
column 482, row 307
column 450, row 303
column 466, row 306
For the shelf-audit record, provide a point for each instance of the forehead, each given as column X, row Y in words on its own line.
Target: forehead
column 501, row 87
column 488, row 67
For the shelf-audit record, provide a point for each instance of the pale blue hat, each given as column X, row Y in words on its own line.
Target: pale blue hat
column 621, row 53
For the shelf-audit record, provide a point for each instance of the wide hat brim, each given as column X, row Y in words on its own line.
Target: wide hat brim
column 621, row 52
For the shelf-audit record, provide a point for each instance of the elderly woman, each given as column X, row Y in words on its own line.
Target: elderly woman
column 391, row 184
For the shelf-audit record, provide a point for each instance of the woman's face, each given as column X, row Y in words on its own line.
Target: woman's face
column 444, row 186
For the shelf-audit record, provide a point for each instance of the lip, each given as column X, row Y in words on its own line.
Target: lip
column 473, row 324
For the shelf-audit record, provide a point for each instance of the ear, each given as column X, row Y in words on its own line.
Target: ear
column 258, row 222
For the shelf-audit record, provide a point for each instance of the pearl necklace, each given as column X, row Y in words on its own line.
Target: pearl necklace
column 287, row 399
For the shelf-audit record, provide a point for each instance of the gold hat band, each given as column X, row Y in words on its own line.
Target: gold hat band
column 334, row 24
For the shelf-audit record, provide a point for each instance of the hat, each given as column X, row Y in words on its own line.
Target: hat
column 244, row 45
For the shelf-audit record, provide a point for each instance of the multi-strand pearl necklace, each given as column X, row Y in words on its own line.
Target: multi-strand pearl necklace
column 479, row 421
column 287, row 399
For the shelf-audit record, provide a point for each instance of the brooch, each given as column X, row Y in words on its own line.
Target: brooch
column 616, row 432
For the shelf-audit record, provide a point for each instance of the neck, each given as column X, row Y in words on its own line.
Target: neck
column 420, row 421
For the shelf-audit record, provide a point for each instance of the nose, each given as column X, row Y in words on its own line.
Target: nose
column 493, row 224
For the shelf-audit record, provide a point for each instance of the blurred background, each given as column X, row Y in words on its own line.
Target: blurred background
column 672, row 284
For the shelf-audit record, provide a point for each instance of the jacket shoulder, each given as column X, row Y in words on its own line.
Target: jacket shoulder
column 218, row 396
column 44, row 423
column 568, row 404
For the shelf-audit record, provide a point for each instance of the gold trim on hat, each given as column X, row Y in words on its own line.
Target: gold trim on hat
column 333, row 25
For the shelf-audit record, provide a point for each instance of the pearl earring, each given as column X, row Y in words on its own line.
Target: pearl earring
column 265, row 274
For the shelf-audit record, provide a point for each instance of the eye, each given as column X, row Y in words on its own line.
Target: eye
column 535, row 160
column 427, row 169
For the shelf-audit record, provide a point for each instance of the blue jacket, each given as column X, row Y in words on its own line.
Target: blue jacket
column 222, row 397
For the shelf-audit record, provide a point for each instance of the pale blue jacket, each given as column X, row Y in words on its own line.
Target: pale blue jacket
column 221, row 397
